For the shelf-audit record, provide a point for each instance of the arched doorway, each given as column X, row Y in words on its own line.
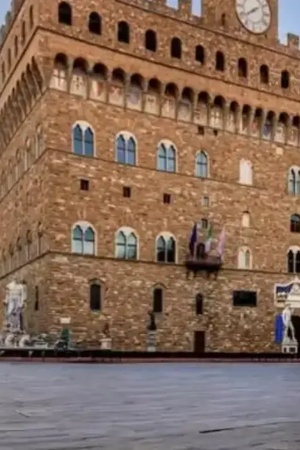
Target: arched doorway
column 296, row 323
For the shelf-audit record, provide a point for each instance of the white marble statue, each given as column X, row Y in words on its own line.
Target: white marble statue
column 15, row 300
column 287, row 323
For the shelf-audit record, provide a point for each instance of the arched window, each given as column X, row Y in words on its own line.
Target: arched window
column 199, row 304
column 65, row 13
column 95, row 23
column 126, row 149
column 16, row 46
column 150, row 40
column 285, row 79
column 244, row 258
column 36, row 299
column 294, row 181
column 166, row 249
column 242, row 68
column 83, row 239
column 293, row 260
column 246, row 219
column 123, row 32
column 83, row 140
column 264, row 74
column 220, row 62
column 157, row 300
column 200, row 54
column 246, row 172
column 95, row 296
column 295, row 223
column 166, row 157
column 202, row 165
column 31, row 17
column 23, row 33
column 126, row 244
column 175, row 48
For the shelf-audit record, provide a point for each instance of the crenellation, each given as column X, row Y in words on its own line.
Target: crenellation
column 185, row 9
column 293, row 41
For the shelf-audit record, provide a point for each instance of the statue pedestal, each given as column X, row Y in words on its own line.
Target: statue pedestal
column 289, row 346
column 106, row 344
column 151, row 341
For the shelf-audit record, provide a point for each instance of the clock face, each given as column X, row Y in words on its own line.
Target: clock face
column 255, row 15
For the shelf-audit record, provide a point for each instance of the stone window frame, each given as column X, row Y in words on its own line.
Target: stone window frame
column 198, row 156
column 166, row 235
column 242, row 263
column 295, row 249
column 101, row 284
column 167, row 144
column 246, row 181
column 294, row 178
column 127, row 231
column 84, row 127
column 127, row 135
column 84, row 225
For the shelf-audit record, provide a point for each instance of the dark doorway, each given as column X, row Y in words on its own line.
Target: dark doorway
column 199, row 342
column 296, row 323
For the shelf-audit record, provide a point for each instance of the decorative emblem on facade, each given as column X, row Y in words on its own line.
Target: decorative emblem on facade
column 288, row 293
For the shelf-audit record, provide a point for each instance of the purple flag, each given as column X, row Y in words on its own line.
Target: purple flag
column 193, row 239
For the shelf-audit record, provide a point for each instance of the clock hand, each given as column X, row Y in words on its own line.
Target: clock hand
column 252, row 11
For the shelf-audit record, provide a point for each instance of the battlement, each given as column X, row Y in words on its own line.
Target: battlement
column 10, row 16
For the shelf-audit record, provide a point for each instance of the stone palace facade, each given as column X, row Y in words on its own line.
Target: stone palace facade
column 124, row 122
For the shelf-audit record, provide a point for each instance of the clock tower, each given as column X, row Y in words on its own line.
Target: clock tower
column 254, row 19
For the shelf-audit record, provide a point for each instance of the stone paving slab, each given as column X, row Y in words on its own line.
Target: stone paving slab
column 149, row 407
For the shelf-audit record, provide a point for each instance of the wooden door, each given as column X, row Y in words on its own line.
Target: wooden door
column 199, row 342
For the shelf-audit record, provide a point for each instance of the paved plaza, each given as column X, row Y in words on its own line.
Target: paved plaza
column 145, row 406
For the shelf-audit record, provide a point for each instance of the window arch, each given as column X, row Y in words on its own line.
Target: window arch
column 200, row 54
column 264, row 74
column 31, row 17
column 150, row 40
column 285, row 79
column 295, row 223
column 96, row 293
column 126, row 244
column 294, row 181
column 293, row 260
column 83, row 139
column 220, row 61
column 23, row 33
column 199, row 304
column 65, row 13
column 83, row 239
column 246, row 219
column 245, row 258
column 246, row 172
column 157, row 299
column 166, row 248
column 123, row 32
column 202, row 165
column 95, row 23
column 126, row 148
column 176, row 49
column 166, row 157
column 242, row 68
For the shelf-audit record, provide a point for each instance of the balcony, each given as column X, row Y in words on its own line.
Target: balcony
column 209, row 263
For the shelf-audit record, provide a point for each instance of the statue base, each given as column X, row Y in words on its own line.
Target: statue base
column 106, row 344
column 289, row 346
column 151, row 343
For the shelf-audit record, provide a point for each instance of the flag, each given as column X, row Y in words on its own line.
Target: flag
column 193, row 239
column 208, row 239
column 221, row 243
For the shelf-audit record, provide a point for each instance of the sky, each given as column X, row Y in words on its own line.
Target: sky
column 289, row 13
